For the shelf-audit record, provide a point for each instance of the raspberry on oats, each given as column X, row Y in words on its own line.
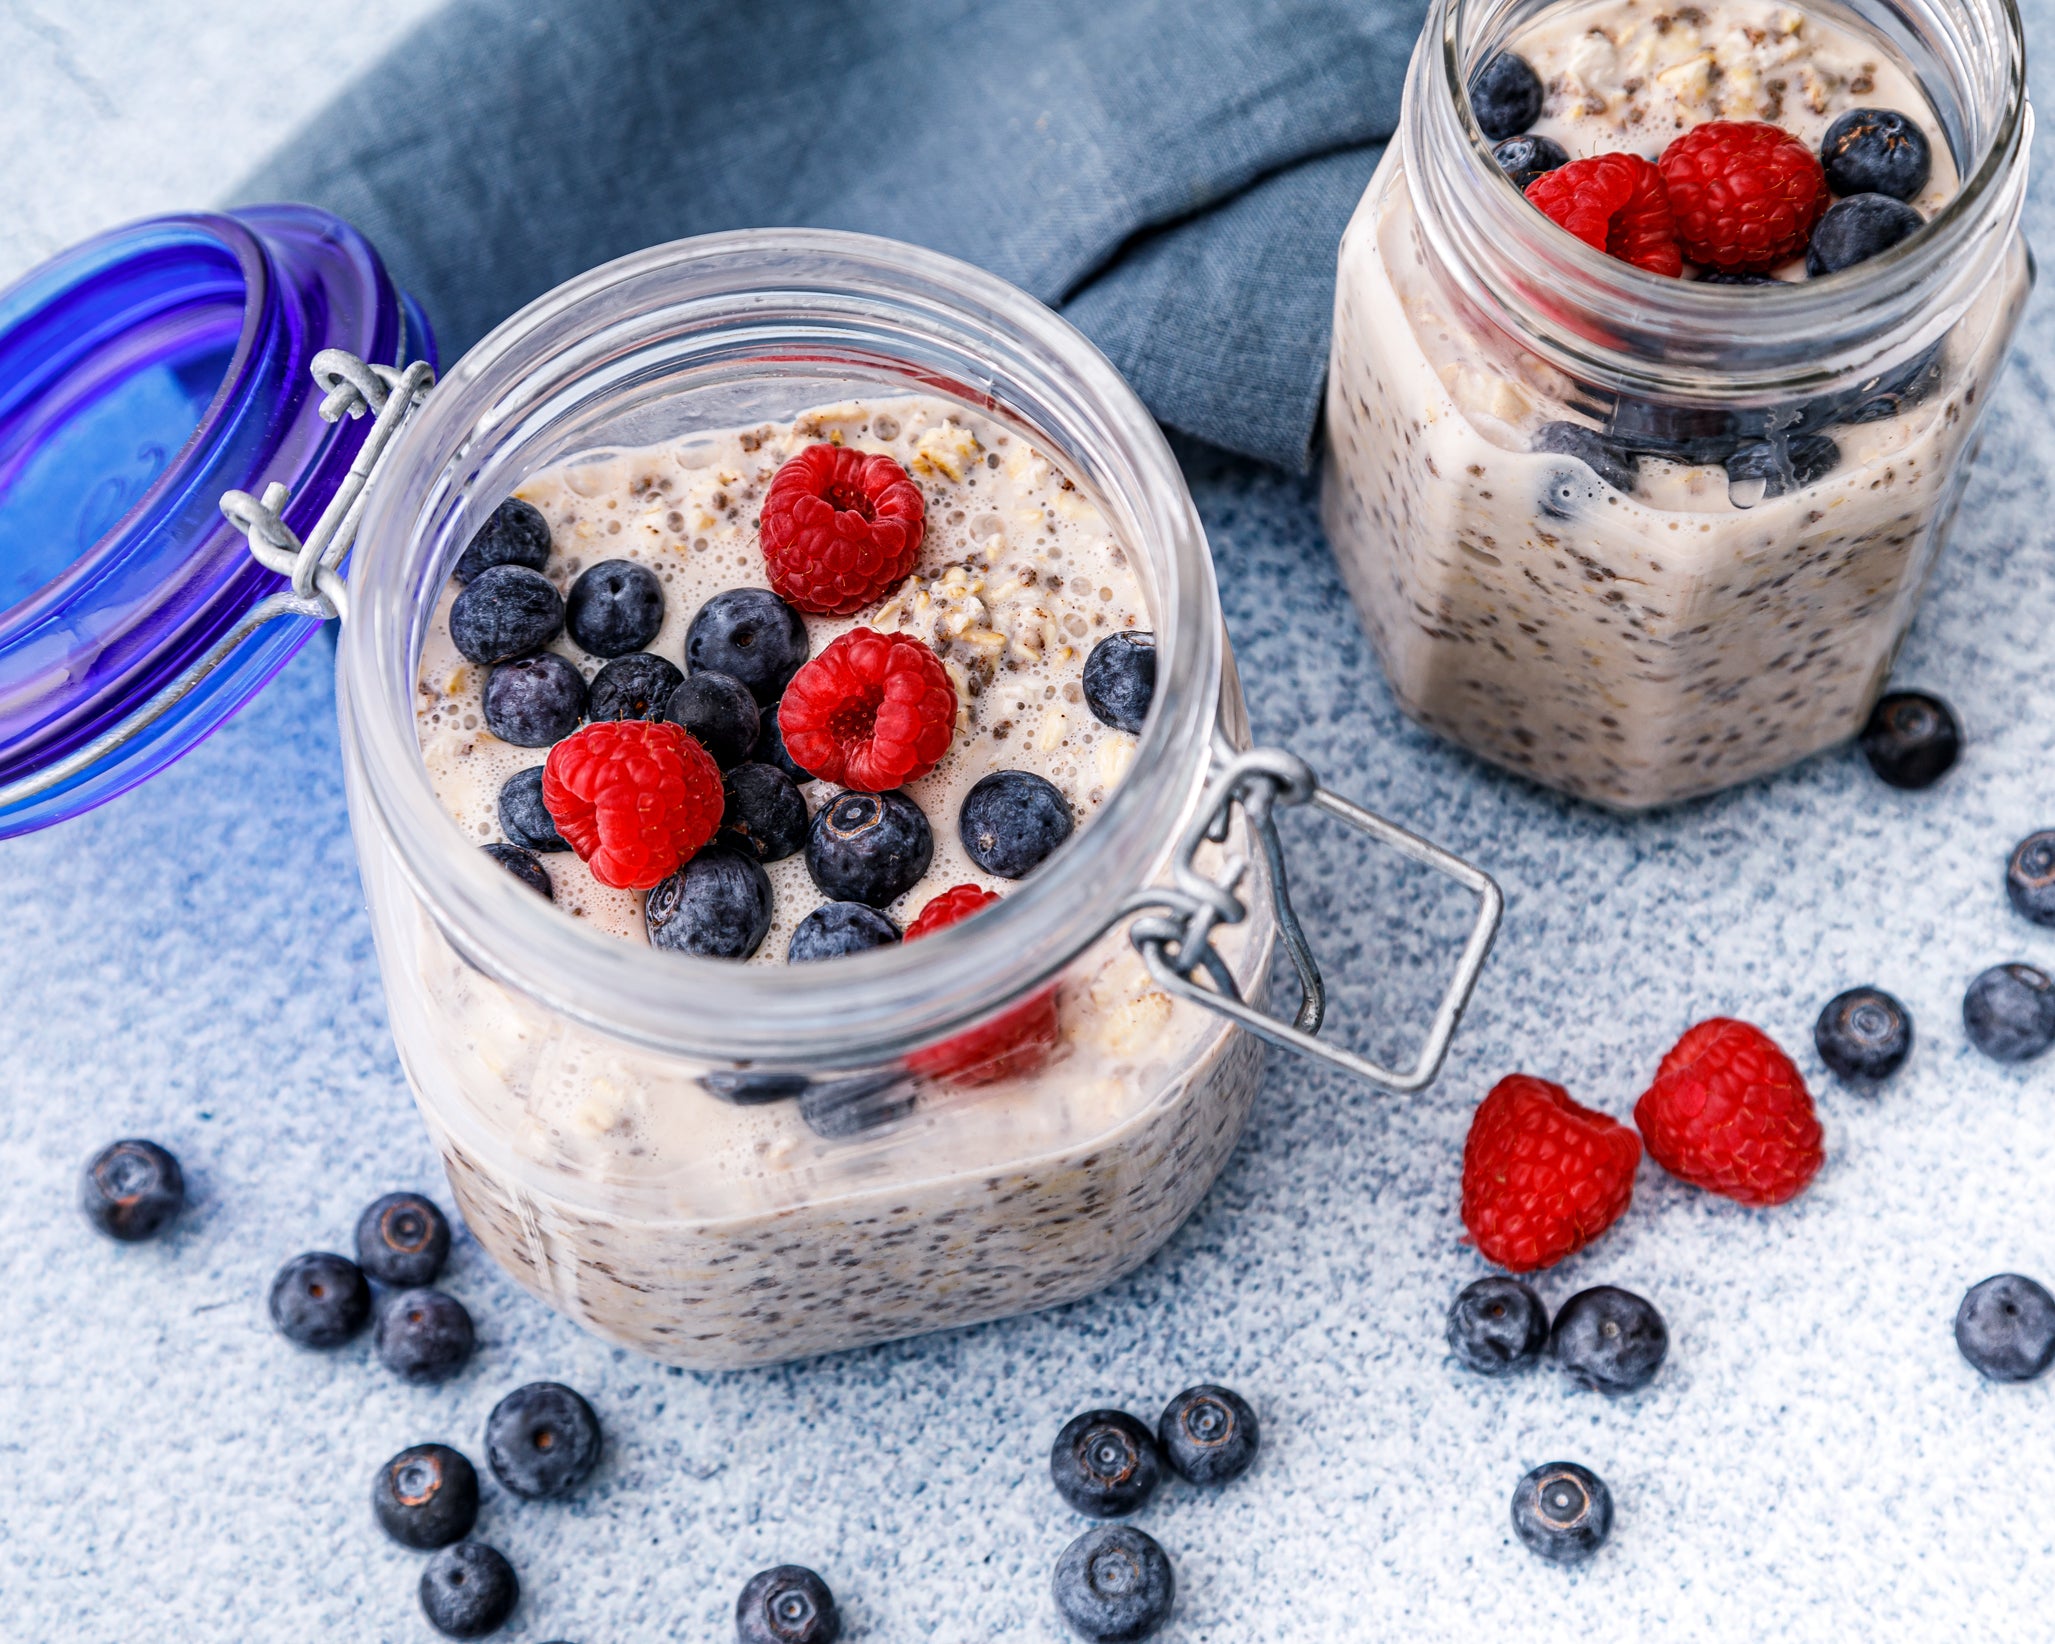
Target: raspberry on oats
column 1542, row 1176
column 635, row 798
column 1744, row 194
column 1012, row 1044
column 1615, row 203
column 873, row 711
column 840, row 529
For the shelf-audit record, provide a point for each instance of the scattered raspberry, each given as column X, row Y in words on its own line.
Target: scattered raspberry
column 634, row 797
column 1616, row 203
column 1542, row 1176
column 1729, row 1113
column 1014, row 1043
column 873, row 711
column 840, row 529
column 1745, row 194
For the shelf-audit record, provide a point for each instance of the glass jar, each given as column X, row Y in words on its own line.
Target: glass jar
column 1659, row 630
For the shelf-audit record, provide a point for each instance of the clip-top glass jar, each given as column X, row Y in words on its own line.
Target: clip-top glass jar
column 1639, row 537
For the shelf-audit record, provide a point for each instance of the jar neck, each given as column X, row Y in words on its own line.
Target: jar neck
column 1607, row 324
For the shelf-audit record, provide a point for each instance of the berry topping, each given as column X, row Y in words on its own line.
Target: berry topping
column 1911, row 739
column 424, row 1336
column 1497, row 1325
column 515, row 534
column 468, row 1590
column 869, row 847
column 1525, row 158
column 1611, row 462
column 1856, row 229
column 2030, row 877
column 131, row 1189
column 524, row 816
column 836, row 1108
column 1563, row 1512
column 872, row 711
column 508, row 611
column 1729, row 1113
column 535, row 701
column 1773, row 467
column 763, row 813
column 1120, row 680
column 1209, row 1435
column 1876, row 151
column 2006, row 1328
column 635, row 798
column 635, row 686
column 749, row 634
column 524, row 866
column 1104, row 1463
column 1542, row 1176
column 2009, row 1013
column 1114, row 1585
column 1609, row 1340
column 834, row 930
column 1864, row 1035
column 1615, row 203
column 1011, row 821
column 1727, row 276
column 616, row 607
column 1505, row 95
column 319, row 1300
column 1009, row 1046
column 426, row 1497
column 770, row 747
column 717, row 906
column 402, row 1239
column 787, row 1605
column 720, row 713
column 542, row 1440
column 840, row 529
column 1744, row 194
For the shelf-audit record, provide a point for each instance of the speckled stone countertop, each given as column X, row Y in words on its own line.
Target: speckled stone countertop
column 1815, row 1462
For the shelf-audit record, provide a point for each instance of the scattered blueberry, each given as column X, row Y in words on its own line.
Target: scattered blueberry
column 1864, row 1035
column 1856, row 229
column 2006, row 1328
column 2030, row 877
column 1563, row 1512
column 770, row 747
column 753, row 1089
column 2009, row 1012
column 763, row 813
column 868, row 847
column 514, row 534
column 1505, row 95
column 751, row 635
column 542, row 1440
column 718, row 710
column 402, row 1239
column 835, row 930
column 425, row 1336
column 635, row 686
column 1011, row 821
column 1609, row 1339
column 1784, row 464
column 718, row 906
column 535, row 702
column 320, row 1300
column 426, row 1497
column 508, row 611
column 524, row 817
column 1525, row 158
column 835, row 1108
column 786, row 1605
column 1114, row 1585
column 1120, row 680
column 1105, row 1463
column 130, row 1189
column 1876, row 151
column 1497, row 1325
column 1612, row 463
column 1208, row 1435
column 1911, row 739
column 524, row 866
column 1731, row 276
column 468, row 1590
column 615, row 607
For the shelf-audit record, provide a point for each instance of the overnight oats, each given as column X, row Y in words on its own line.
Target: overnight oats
column 1662, row 336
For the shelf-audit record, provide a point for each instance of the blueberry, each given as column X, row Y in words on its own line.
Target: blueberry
column 614, row 608
column 1114, row 1585
column 1505, row 95
column 1729, row 276
column 751, row 635
column 1637, row 427
column 868, row 847
column 514, row 534
column 770, row 748
column 1609, row 1339
column 1911, row 739
column 524, row 817
column 636, row 686
column 1876, row 151
column 836, row 929
column 2030, row 877
column 402, row 1239
column 130, row 1189
column 1208, row 1435
column 1894, row 392
column 718, row 906
column 524, row 867
column 542, row 1440
column 786, row 1605
column 509, row 611
column 1525, row 158
column 1783, row 464
column 1563, row 1512
column 1011, row 821
column 835, row 1108
column 1105, row 1463
column 2006, row 1328
column 1497, row 1325
column 1120, row 680
column 1864, row 1035
column 762, row 813
column 468, row 1590
column 753, row 1089
column 719, row 711
column 534, row 702
column 2009, row 1013
column 425, row 1336
column 426, row 1497
column 320, row 1300
column 1612, row 463
column 1856, row 229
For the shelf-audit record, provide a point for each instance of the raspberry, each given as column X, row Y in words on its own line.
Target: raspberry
column 1012, row 1044
column 1616, row 203
column 1729, row 1113
column 840, row 529
column 635, row 798
column 873, row 712
column 1744, row 194
column 1542, row 1176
